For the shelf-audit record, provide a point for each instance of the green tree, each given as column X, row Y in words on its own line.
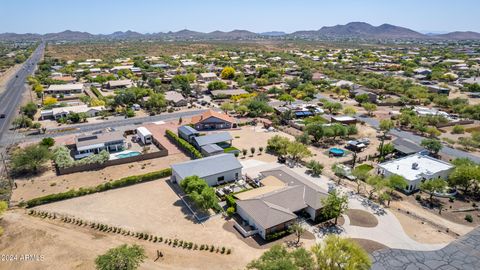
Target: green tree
column 340, row 253
column 298, row 230
column 48, row 142
column 279, row 258
column 228, row 73
column 433, row 185
column 286, row 98
column 315, row 167
column 278, row 145
column 30, row 109
column 227, row 107
column 369, row 107
column 465, row 175
column 394, row 182
column 362, row 98
column 432, row 145
column 332, row 107
column 298, row 151
column 199, row 191
column 377, row 183
column 182, row 82
column 316, row 130
column 22, row 121
column 385, row 126
column 29, row 159
column 334, row 205
column 217, row 85
column 349, row 111
column 156, row 103
column 123, row 257
column 3, row 208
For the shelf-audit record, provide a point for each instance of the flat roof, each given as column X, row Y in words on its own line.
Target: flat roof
column 144, row 131
column 213, row 138
column 65, row 87
column 426, row 166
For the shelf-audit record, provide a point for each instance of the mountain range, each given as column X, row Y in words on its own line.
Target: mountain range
column 353, row 30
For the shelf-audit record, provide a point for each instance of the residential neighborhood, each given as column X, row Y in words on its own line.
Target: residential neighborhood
column 346, row 147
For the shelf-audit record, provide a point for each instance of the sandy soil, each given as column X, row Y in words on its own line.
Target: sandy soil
column 158, row 211
column 77, row 248
column 422, row 233
column 48, row 182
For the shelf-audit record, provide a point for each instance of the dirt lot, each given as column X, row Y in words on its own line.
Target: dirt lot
column 423, row 233
column 361, row 218
column 158, row 211
column 48, row 182
column 77, row 248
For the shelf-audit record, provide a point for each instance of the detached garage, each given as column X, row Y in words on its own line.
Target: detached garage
column 215, row 170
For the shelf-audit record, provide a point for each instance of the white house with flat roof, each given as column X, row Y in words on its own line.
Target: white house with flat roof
column 416, row 169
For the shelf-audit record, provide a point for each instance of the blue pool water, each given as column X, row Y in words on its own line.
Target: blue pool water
column 129, row 154
column 337, row 151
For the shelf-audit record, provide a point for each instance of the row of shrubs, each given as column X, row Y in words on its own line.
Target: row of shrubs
column 141, row 236
column 186, row 146
column 123, row 182
column 96, row 92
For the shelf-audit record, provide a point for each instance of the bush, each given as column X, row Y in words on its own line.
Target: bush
column 126, row 181
column 418, row 197
column 230, row 211
column 451, row 199
column 63, row 159
column 230, row 201
column 469, row 218
column 187, row 147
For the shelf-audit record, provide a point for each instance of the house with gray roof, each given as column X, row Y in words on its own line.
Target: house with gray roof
column 211, row 144
column 215, row 170
column 187, row 133
column 278, row 209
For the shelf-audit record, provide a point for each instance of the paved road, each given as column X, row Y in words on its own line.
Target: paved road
column 11, row 98
column 418, row 139
column 117, row 124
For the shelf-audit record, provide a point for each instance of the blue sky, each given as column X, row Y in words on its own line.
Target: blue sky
column 106, row 16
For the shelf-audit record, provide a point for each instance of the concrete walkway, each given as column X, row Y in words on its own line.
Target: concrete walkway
column 389, row 231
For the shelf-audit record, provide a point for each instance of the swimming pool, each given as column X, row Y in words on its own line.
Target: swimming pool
column 337, row 152
column 129, row 154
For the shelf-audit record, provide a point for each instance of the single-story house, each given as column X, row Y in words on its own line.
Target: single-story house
column 438, row 89
column 59, row 112
column 176, row 99
column 287, row 195
column 215, row 170
column 208, row 77
column 372, row 97
column 187, row 133
column 213, row 120
column 405, row 147
column 209, row 144
column 69, row 88
column 416, row 169
column 344, row 119
column 119, row 84
column 86, row 145
column 227, row 93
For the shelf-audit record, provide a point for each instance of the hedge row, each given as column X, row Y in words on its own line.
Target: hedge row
column 123, row 182
column 96, row 92
column 186, row 146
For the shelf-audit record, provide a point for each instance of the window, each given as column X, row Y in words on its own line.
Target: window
column 221, row 178
column 236, row 175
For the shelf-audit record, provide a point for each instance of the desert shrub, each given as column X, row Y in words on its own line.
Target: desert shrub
column 469, row 218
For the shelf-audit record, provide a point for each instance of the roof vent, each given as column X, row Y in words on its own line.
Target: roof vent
column 415, row 166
